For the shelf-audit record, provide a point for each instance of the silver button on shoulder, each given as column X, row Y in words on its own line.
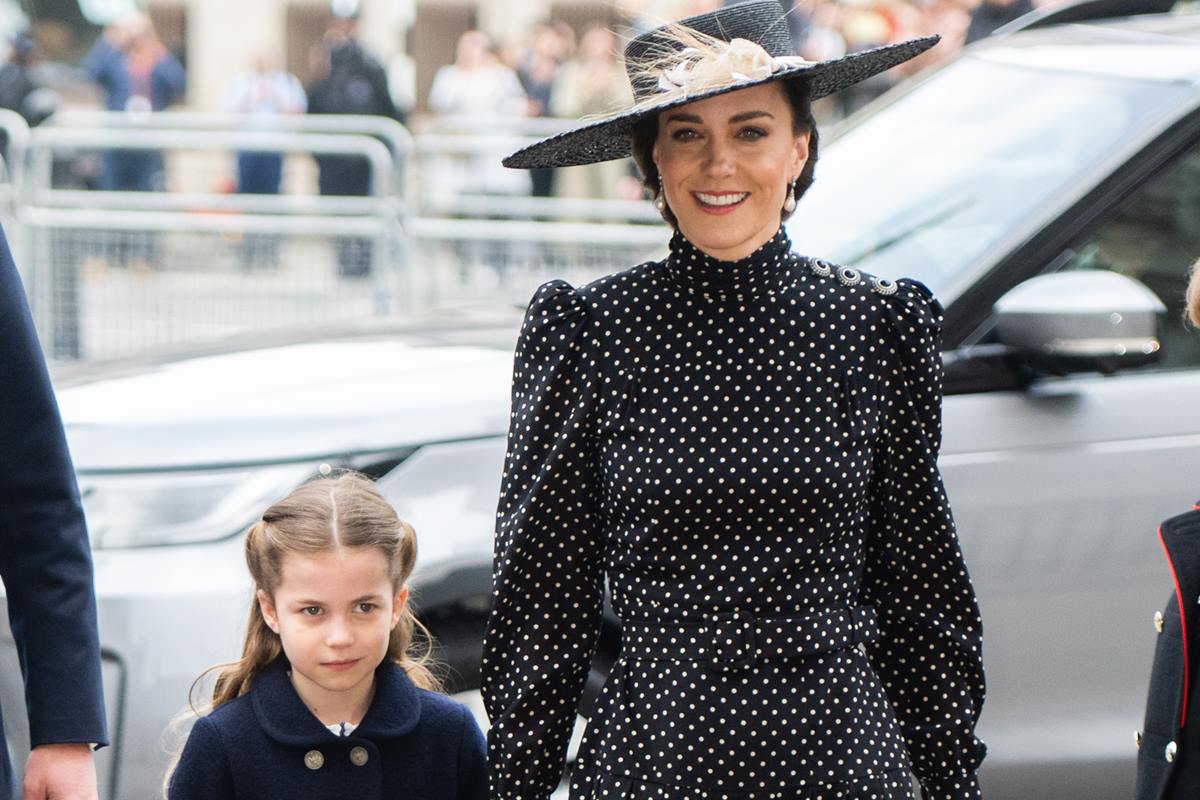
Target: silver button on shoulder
column 820, row 267
column 1158, row 621
column 1170, row 752
column 883, row 286
column 359, row 756
column 849, row 276
column 314, row 759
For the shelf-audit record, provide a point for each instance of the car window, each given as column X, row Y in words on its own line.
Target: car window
column 927, row 186
column 1154, row 236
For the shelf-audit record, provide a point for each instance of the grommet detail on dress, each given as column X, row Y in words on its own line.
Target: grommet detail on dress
column 1137, row 739
column 820, row 267
column 1158, row 621
column 359, row 756
column 314, row 759
column 849, row 276
column 1170, row 752
column 884, row 286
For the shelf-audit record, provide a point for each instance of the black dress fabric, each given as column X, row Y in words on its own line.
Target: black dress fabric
column 757, row 437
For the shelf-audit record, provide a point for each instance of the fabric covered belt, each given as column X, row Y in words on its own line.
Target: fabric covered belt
column 730, row 640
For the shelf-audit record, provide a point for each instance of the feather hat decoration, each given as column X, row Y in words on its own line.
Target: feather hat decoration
column 732, row 48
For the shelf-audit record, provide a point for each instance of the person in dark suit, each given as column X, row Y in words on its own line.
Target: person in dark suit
column 46, row 568
column 1169, row 742
column 351, row 81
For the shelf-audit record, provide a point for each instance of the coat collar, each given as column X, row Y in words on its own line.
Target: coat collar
column 394, row 710
column 1181, row 538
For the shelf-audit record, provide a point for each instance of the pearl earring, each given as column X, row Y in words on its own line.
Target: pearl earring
column 660, row 202
column 789, row 204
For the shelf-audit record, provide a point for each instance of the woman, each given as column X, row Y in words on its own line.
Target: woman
column 743, row 442
column 1169, row 742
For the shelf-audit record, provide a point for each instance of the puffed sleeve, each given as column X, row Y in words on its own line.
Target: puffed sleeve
column 929, row 654
column 548, row 577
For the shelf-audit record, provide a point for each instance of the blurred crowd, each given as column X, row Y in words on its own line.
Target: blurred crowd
column 553, row 71
column 556, row 71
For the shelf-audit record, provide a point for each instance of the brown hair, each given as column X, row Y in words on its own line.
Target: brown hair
column 646, row 133
column 321, row 515
column 1193, row 295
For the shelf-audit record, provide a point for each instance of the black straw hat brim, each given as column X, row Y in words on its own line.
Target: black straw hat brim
column 610, row 137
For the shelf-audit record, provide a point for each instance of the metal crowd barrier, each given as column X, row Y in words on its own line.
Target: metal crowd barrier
column 117, row 272
column 478, row 234
column 112, row 273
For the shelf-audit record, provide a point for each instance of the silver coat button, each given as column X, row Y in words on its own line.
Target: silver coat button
column 359, row 756
column 1170, row 753
column 314, row 759
column 1158, row 621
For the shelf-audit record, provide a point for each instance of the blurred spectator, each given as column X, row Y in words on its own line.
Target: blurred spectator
column 352, row 81
column 949, row 19
column 799, row 19
column 537, row 68
column 946, row 18
column 823, row 41
column 476, row 84
column 863, row 26
column 137, row 74
column 592, row 83
column 20, row 90
column 473, row 92
column 823, row 38
column 992, row 14
column 566, row 37
column 261, row 93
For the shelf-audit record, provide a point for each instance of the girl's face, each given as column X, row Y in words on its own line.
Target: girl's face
column 726, row 164
column 334, row 613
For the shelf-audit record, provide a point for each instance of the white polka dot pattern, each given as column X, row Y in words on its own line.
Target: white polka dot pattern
column 756, row 437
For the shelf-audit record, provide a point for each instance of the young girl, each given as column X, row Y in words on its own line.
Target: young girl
column 325, row 701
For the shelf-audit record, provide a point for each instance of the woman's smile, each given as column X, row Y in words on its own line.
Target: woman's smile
column 719, row 202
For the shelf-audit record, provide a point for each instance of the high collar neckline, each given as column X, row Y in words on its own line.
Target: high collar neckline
column 768, row 270
column 395, row 708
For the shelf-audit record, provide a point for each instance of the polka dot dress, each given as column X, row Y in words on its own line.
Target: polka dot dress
column 746, row 453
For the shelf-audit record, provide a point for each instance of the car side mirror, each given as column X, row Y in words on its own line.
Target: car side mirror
column 1081, row 322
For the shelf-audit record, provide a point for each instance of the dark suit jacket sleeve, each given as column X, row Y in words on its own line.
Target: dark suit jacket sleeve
column 45, row 561
column 472, row 761
column 203, row 772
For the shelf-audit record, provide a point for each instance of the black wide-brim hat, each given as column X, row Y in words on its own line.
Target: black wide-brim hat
column 732, row 48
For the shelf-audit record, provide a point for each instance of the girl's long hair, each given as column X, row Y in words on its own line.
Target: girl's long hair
column 322, row 515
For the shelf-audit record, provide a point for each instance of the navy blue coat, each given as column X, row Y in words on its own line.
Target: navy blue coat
column 45, row 562
column 1169, row 742
column 412, row 744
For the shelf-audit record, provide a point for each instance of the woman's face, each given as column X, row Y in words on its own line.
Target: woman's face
column 726, row 164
